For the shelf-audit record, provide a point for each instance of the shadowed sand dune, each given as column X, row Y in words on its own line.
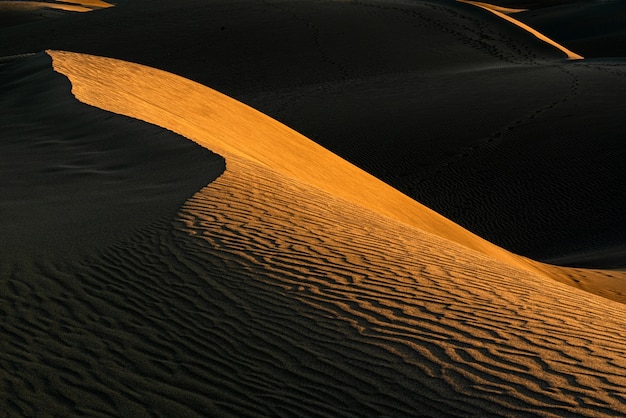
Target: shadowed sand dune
column 276, row 292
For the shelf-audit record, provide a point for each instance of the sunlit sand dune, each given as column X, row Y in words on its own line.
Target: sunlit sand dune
column 291, row 285
column 137, row 91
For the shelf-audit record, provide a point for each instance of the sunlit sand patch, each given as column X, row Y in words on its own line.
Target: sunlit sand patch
column 495, row 10
column 91, row 3
column 138, row 91
column 80, row 6
column 40, row 5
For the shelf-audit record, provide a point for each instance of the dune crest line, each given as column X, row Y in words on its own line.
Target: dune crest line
column 498, row 12
column 228, row 127
column 237, row 129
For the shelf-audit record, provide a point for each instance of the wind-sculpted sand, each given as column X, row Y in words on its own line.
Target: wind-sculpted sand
column 275, row 292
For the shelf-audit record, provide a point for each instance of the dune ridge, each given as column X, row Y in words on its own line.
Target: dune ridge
column 40, row 5
column 269, row 295
column 106, row 83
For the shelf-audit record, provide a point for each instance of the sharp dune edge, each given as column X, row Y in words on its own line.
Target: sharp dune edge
column 295, row 284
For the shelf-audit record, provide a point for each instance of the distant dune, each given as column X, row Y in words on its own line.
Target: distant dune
column 171, row 251
column 594, row 28
column 13, row 13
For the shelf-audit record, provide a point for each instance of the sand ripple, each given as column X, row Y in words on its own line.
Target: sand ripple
column 267, row 295
column 282, row 300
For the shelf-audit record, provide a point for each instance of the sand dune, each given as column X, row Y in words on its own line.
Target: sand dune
column 271, row 295
column 139, row 92
column 170, row 251
column 43, row 8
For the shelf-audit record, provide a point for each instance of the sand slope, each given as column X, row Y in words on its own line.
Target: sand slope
column 270, row 295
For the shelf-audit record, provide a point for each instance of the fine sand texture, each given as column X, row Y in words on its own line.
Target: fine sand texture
column 459, row 109
column 171, row 251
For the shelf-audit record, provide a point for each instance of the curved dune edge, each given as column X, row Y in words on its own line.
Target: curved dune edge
column 498, row 12
column 228, row 127
column 78, row 177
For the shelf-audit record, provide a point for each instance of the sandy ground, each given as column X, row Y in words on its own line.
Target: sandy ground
column 173, row 252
